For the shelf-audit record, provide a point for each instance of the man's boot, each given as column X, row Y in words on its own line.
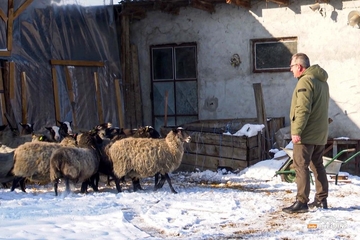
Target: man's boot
column 319, row 204
column 297, row 207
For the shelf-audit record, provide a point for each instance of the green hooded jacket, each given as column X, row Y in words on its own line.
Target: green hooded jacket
column 310, row 106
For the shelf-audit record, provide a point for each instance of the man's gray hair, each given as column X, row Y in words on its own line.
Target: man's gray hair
column 302, row 59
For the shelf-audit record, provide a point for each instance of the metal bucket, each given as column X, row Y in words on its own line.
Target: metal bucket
column 334, row 166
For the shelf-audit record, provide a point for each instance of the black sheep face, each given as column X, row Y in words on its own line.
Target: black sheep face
column 65, row 128
column 27, row 128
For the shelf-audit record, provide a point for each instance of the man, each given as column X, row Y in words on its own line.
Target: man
column 309, row 131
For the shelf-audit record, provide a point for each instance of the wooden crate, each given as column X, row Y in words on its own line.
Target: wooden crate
column 210, row 149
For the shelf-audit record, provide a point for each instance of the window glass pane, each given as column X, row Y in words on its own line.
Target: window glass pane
column 162, row 63
column 186, row 97
column 159, row 90
column 185, row 62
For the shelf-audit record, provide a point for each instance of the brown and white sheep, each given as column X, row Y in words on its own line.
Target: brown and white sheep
column 145, row 157
column 76, row 164
column 32, row 161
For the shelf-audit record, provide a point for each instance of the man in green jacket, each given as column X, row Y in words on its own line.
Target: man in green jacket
column 309, row 131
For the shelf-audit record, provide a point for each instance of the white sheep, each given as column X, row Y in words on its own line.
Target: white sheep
column 32, row 161
column 76, row 164
column 145, row 157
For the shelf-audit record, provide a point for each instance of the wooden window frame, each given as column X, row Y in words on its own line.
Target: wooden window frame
column 276, row 61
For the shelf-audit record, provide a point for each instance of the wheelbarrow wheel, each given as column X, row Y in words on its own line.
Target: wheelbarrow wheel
column 288, row 177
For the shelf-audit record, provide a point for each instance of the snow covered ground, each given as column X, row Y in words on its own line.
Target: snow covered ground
column 209, row 205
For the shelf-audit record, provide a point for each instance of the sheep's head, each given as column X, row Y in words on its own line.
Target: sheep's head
column 182, row 134
column 27, row 128
column 146, row 132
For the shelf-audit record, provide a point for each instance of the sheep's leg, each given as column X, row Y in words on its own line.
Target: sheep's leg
column 56, row 183
column 94, row 182
column 117, row 183
column 162, row 181
column 67, row 185
column 157, row 178
column 18, row 181
column 136, row 184
column 84, row 186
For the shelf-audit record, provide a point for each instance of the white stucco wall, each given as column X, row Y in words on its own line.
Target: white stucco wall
column 327, row 40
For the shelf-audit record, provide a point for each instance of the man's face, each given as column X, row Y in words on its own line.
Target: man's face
column 295, row 68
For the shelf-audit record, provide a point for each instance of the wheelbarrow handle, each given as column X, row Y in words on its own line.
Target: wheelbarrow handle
column 350, row 150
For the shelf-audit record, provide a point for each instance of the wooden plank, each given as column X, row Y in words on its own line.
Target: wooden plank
column 202, row 162
column 71, row 95
column 23, row 98
column 3, row 16
column 77, row 63
column 136, row 82
column 5, row 53
column 10, row 24
column 22, row 8
column 98, row 98
column 2, row 97
column 119, row 103
column 217, row 151
column 56, row 93
column 261, row 115
column 126, row 67
column 12, row 80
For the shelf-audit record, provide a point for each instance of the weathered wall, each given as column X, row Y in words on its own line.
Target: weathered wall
column 327, row 40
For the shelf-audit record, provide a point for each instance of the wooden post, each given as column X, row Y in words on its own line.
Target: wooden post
column 2, row 98
column 119, row 102
column 12, row 80
column 71, row 95
column 56, row 93
column 166, row 107
column 10, row 24
column 261, row 115
column 136, row 82
column 98, row 98
column 23, row 98
column 126, row 69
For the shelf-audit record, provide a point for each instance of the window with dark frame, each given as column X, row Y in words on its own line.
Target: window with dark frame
column 273, row 54
column 174, row 75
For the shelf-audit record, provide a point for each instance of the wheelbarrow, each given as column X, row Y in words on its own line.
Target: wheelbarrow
column 332, row 165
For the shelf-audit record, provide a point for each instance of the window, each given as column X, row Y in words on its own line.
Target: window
column 273, row 54
column 174, row 78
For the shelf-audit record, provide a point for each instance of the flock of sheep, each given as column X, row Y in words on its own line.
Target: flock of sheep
column 83, row 157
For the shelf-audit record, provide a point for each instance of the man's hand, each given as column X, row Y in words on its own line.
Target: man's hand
column 295, row 138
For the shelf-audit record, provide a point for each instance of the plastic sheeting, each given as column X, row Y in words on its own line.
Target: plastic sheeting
column 48, row 30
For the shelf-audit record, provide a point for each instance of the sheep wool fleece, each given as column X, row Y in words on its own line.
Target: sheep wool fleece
column 146, row 156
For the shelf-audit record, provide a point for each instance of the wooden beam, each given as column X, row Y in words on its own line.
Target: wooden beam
column 56, row 93
column 2, row 97
column 203, row 5
column 126, row 70
column 22, row 8
column 23, row 98
column 78, row 63
column 5, row 53
column 261, row 113
column 12, row 80
column 241, row 3
column 98, row 98
column 136, row 84
column 280, row 2
column 71, row 95
column 3, row 16
column 119, row 103
column 10, row 25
